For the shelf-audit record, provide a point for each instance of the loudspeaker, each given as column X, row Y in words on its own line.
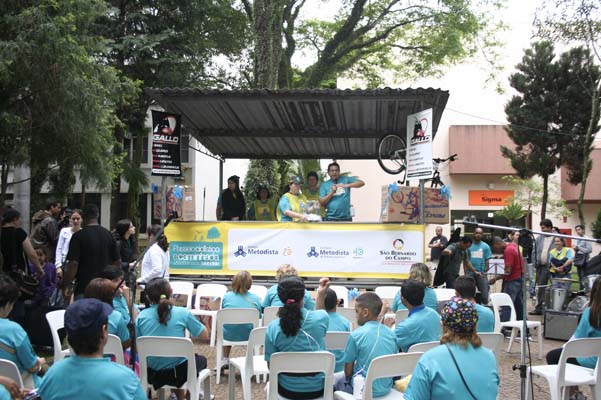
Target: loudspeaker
column 560, row 325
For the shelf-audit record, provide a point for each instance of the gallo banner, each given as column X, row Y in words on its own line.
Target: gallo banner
column 336, row 250
column 166, row 135
column 419, row 145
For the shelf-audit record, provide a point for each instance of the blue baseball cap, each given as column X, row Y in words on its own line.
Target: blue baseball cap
column 86, row 317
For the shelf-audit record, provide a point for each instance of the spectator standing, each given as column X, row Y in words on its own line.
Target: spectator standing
column 479, row 253
column 465, row 287
column 292, row 204
column 543, row 245
column 263, row 208
column 312, row 192
column 44, row 232
column 231, row 205
column 155, row 263
column 583, row 250
column 335, row 194
column 87, row 373
column 90, row 250
column 437, row 244
column 125, row 237
column 458, row 255
column 64, row 238
column 48, row 283
column 512, row 278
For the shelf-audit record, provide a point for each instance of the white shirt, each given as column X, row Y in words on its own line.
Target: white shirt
column 62, row 246
column 155, row 264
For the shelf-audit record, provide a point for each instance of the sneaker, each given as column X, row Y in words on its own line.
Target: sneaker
column 577, row 396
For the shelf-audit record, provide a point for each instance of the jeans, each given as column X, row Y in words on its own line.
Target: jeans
column 531, row 281
column 450, row 279
column 482, row 285
column 542, row 278
column 514, row 290
column 581, row 269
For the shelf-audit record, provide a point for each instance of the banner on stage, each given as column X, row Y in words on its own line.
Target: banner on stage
column 419, row 145
column 166, row 134
column 335, row 250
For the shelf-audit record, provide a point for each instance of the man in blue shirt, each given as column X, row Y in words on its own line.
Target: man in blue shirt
column 465, row 287
column 479, row 253
column 335, row 194
column 87, row 373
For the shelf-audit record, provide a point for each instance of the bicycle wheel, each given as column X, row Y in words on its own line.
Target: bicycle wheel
column 392, row 152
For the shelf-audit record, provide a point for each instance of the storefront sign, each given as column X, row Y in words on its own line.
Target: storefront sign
column 499, row 198
column 166, row 133
column 419, row 145
column 314, row 249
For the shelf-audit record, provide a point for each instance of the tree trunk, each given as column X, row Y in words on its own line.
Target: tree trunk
column 268, row 18
column 83, row 195
column 543, row 209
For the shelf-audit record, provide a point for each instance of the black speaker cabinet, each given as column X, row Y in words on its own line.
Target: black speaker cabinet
column 560, row 325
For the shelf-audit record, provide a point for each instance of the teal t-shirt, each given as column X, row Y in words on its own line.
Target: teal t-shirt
column 76, row 378
column 478, row 254
column 339, row 206
column 311, row 337
column 239, row 332
column 272, row 300
column 430, row 300
column 13, row 336
column 422, row 325
column 4, row 395
column 486, row 319
column 147, row 324
column 338, row 324
column 118, row 326
column 120, row 304
column 367, row 342
column 585, row 330
column 436, row 377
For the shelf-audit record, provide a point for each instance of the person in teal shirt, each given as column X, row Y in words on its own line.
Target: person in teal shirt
column 370, row 340
column 122, row 295
column 465, row 287
column 437, row 376
column 419, row 272
column 297, row 329
column 239, row 297
column 272, row 299
column 164, row 319
column 16, row 346
column 337, row 324
column 422, row 324
column 479, row 253
column 335, row 194
column 87, row 374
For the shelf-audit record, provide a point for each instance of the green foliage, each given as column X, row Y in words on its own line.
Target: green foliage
column 512, row 212
column 261, row 173
column 596, row 226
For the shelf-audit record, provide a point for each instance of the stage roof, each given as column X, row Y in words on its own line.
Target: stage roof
column 291, row 124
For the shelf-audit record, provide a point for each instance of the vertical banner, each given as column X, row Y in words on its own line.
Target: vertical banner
column 166, row 133
column 419, row 145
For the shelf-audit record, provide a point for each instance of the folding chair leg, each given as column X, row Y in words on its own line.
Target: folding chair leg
column 595, row 391
column 206, row 392
column 213, row 330
column 231, row 383
column 540, row 342
column 511, row 339
column 219, row 357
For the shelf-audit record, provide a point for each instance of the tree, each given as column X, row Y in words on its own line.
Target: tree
column 261, row 173
column 596, row 226
column 511, row 212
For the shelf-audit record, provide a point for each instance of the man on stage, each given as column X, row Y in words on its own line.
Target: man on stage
column 335, row 194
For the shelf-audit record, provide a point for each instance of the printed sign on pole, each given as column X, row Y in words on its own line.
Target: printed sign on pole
column 166, row 133
column 419, row 145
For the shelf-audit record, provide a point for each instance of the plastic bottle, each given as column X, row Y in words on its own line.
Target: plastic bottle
column 358, row 384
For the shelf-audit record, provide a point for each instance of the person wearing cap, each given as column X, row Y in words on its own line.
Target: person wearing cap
column 263, row 208
column 335, row 194
column 231, row 205
column 422, row 324
column 292, row 203
column 461, row 368
column 88, row 374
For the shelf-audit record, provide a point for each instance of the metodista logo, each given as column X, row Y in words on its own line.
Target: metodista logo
column 398, row 244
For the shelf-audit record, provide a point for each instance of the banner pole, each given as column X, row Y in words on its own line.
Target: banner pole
column 163, row 199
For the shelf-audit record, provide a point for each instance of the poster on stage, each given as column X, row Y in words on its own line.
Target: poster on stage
column 180, row 199
column 335, row 250
column 403, row 205
column 419, row 145
column 166, row 134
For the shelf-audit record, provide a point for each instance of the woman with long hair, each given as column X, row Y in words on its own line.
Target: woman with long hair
column 64, row 237
column 231, row 205
column 164, row 319
column 297, row 329
column 125, row 236
column 420, row 272
column 103, row 290
column 461, row 368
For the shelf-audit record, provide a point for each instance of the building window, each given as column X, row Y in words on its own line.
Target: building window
column 184, row 151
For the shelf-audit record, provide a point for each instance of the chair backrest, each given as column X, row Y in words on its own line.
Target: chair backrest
column 341, row 293
column 423, row 347
column 10, row 370
column 269, row 314
column 114, row 347
column 444, row 294
column 499, row 300
column 213, row 290
column 586, row 347
column 400, row 315
column 162, row 346
column 302, row 362
column 182, row 287
column 259, row 290
column 348, row 313
column 387, row 292
column 56, row 321
column 236, row 316
column 255, row 341
column 492, row 340
column 389, row 366
column 336, row 340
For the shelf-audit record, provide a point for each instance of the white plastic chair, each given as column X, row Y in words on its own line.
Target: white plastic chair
column 388, row 366
column 348, row 313
column 336, row 340
column 162, row 346
column 259, row 290
column 114, row 347
column 301, row 362
column 492, row 341
column 56, row 321
column 249, row 365
column 186, row 288
column 400, row 315
column 212, row 290
column 561, row 376
column 444, row 294
column 387, row 292
column 423, row 347
column 10, row 370
column 341, row 293
column 269, row 314
column 232, row 316
column 499, row 300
